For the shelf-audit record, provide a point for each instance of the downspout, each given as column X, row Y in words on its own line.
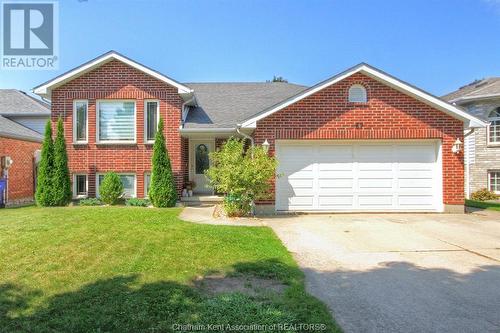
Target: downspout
column 246, row 136
column 467, row 164
column 252, row 144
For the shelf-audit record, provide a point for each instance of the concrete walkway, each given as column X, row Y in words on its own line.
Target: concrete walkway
column 395, row 272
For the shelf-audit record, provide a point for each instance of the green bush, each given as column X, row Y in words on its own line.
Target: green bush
column 61, row 182
column 483, row 195
column 243, row 176
column 237, row 205
column 162, row 191
column 137, row 202
column 44, row 188
column 89, row 202
column 111, row 188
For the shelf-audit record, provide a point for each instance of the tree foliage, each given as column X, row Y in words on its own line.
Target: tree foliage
column 111, row 188
column 61, row 183
column 44, row 188
column 243, row 176
column 162, row 191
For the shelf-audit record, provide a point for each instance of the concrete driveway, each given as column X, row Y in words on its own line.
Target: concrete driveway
column 401, row 273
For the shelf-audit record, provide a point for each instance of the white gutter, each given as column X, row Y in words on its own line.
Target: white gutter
column 471, row 98
column 207, row 130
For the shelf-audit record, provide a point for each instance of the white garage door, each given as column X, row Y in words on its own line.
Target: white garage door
column 359, row 176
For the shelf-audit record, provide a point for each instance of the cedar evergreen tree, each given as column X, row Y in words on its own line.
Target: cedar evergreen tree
column 61, row 182
column 44, row 188
column 162, row 191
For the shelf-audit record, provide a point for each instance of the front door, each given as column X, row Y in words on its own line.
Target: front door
column 199, row 163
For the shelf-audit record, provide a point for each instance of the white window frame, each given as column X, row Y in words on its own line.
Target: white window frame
column 146, row 101
column 75, row 195
column 489, row 142
column 75, row 140
column 357, row 85
column 114, row 142
column 145, row 175
column 489, row 180
column 119, row 174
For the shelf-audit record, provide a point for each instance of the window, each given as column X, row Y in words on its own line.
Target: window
column 80, row 186
column 80, row 123
column 494, row 127
column 128, row 181
column 147, row 183
column 494, row 181
column 357, row 94
column 150, row 120
column 116, row 122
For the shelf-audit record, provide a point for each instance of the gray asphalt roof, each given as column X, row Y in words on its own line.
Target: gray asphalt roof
column 16, row 102
column 488, row 86
column 224, row 105
column 11, row 129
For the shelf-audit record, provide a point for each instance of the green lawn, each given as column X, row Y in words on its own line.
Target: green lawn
column 483, row 204
column 127, row 269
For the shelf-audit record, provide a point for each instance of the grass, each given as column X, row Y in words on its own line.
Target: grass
column 483, row 204
column 130, row 269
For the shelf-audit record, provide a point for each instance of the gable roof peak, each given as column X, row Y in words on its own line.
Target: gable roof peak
column 44, row 90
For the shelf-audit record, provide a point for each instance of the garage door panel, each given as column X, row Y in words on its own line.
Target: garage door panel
column 336, row 202
column 375, row 201
column 410, row 183
column 377, row 183
column 336, row 183
column 358, row 176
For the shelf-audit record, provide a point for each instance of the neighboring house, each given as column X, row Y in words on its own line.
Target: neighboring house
column 359, row 141
column 22, row 119
column 26, row 110
column 481, row 99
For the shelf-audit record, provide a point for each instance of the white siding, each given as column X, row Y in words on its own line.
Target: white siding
column 37, row 124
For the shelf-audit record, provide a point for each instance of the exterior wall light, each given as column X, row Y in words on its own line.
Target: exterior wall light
column 265, row 145
column 457, row 146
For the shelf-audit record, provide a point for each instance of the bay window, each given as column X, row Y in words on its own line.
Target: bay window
column 151, row 117
column 116, row 121
column 80, row 121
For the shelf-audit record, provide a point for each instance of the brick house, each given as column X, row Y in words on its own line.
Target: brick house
column 359, row 141
column 21, row 119
column 481, row 99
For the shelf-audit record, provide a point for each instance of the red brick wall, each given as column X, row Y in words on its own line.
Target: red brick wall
column 21, row 174
column 116, row 80
column 388, row 114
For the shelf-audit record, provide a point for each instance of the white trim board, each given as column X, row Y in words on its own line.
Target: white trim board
column 469, row 120
column 44, row 90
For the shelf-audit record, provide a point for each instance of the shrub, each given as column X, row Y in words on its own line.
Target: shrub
column 111, row 188
column 243, row 176
column 44, row 188
column 162, row 191
column 483, row 195
column 237, row 205
column 89, row 202
column 61, row 182
column 137, row 202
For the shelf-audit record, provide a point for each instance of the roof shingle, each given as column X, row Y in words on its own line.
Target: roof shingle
column 11, row 129
column 223, row 105
column 16, row 102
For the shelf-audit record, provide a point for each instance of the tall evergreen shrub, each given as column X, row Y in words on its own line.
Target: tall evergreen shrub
column 61, row 181
column 44, row 188
column 162, row 191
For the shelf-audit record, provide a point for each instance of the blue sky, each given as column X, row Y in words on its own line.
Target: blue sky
column 436, row 45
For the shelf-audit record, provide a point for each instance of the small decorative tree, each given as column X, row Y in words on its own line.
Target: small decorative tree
column 242, row 176
column 44, row 188
column 162, row 191
column 111, row 188
column 61, row 183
